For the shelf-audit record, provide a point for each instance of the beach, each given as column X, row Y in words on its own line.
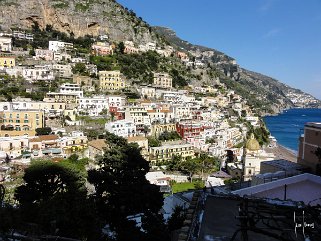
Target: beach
column 282, row 152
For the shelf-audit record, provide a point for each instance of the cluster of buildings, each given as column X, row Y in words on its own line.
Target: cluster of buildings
column 205, row 118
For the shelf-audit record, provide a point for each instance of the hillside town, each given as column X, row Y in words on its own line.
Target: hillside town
column 208, row 132
column 208, row 119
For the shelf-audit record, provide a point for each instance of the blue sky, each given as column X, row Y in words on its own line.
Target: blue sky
column 279, row 38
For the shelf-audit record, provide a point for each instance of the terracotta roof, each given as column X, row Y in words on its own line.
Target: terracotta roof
column 44, row 138
column 99, row 144
column 36, row 139
column 151, row 111
column 136, row 138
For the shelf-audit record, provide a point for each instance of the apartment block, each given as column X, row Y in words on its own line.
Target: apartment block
column 123, row 128
column 163, row 80
column 111, row 80
column 58, row 46
column 102, row 49
column 45, row 54
column 20, row 122
column 308, row 144
column 166, row 152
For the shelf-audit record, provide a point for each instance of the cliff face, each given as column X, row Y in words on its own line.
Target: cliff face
column 91, row 17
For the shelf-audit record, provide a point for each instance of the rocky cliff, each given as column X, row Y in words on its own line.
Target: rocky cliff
column 77, row 17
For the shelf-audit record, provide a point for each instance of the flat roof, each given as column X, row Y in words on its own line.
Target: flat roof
column 305, row 188
column 219, row 221
column 283, row 164
column 313, row 124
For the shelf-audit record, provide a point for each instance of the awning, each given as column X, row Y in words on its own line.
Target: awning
column 46, row 151
column 56, row 151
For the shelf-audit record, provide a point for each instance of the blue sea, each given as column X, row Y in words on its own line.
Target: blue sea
column 288, row 126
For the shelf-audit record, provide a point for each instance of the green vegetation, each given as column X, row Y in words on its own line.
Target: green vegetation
column 61, row 4
column 11, row 87
column 43, row 131
column 167, row 136
column 122, row 190
column 56, row 191
column 261, row 133
column 201, row 164
column 185, row 186
column 82, row 7
column 153, row 142
column 250, row 92
column 53, row 196
column 89, row 120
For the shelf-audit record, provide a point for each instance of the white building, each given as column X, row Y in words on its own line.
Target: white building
column 61, row 56
column 68, row 88
column 148, row 92
column 63, row 70
column 45, row 54
column 93, row 105
column 38, row 73
column 123, row 128
column 14, row 146
column 139, row 116
column 5, row 44
column 58, row 46
column 182, row 112
column 116, row 101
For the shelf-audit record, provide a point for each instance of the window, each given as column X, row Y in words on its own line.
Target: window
column 26, row 116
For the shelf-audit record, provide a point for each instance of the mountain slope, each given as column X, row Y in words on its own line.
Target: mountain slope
column 107, row 17
column 270, row 94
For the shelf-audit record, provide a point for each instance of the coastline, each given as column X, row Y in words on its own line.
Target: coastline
column 282, row 152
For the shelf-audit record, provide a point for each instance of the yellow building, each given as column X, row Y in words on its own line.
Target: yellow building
column 20, row 122
column 160, row 128
column 111, row 80
column 166, row 152
column 7, row 61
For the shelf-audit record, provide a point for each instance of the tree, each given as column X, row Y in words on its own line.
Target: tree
column 32, row 52
column 190, row 166
column 55, row 193
column 176, row 221
column 43, row 131
column 121, row 47
column 122, row 189
column 80, row 68
column 146, row 130
column 153, row 142
column 174, row 163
